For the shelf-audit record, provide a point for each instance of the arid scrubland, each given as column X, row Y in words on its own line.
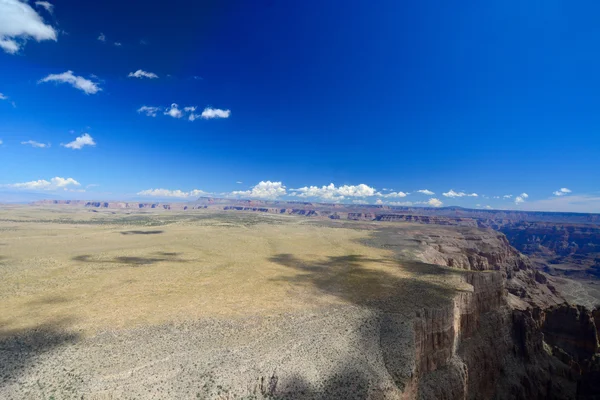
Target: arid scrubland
column 90, row 272
column 204, row 304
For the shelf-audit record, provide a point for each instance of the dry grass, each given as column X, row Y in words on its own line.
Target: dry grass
column 113, row 271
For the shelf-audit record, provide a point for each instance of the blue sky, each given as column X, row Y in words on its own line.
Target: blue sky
column 496, row 98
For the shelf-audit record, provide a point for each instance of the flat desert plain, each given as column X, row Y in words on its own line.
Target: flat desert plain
column 199, row 304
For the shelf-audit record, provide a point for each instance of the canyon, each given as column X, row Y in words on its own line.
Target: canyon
column 352, row 302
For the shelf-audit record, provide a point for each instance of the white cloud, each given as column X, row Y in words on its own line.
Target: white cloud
column 80, row 142
column 1, row 142
column 192, row 116
column 3, row 97
column 18, row 23
column 142, row 74
column 452, row 193
column 33, row 143
column 102, row 38
column 172, row 193
column 63, row 182
column 263, row 190
column 118, row 44
column 434, row 202
column 488, row 207
column 331, row 192
column 392, row 194
column 174, row 111
column 425, row 191
column 379, row 201
column 521, row 198
column 42, row 184
column 78, row 82
column 561, row 192
column 239, row 182
column 48, row 6
column 506, row 196
column 149, row 111
column 210, row 113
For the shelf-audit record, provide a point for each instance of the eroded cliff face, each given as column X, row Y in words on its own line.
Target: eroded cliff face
column 489, row 250
column 511, row 337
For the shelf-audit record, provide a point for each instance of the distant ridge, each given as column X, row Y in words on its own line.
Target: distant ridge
column 443, row 215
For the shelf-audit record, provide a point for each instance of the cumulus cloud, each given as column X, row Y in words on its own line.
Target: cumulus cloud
column 190, row 111
column 33, row 143
column 80, row 142
column 433, row 202
column 331, row 192
column 149, row 111
column 48, row 6
column 263, row 190
column 210, row 113
column 101, row 37
column 561, row 192
column 425, row 191
column 392, row 194
column 452, row 193
column 172, row 193
column 174, row 111
column 42, row 184
column 3, row 97
column 78, row 82
column 506, row 196
column 521, row 198
column 18, row 23
column 142, row 74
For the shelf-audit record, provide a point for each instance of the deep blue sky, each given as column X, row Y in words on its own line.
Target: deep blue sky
column 493, row 98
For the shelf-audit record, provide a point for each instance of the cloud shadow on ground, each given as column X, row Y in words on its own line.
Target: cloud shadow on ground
column 133, row 260
column 396, row 298
column 141, row 232
column 20, row 349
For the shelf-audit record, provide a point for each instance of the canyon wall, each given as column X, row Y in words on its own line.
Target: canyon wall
column 497, row 341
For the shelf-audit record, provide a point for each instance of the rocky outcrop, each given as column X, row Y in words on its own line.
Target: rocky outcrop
column 482, row 348
column 455, row 357
column 557, row 351
column 488, row 250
